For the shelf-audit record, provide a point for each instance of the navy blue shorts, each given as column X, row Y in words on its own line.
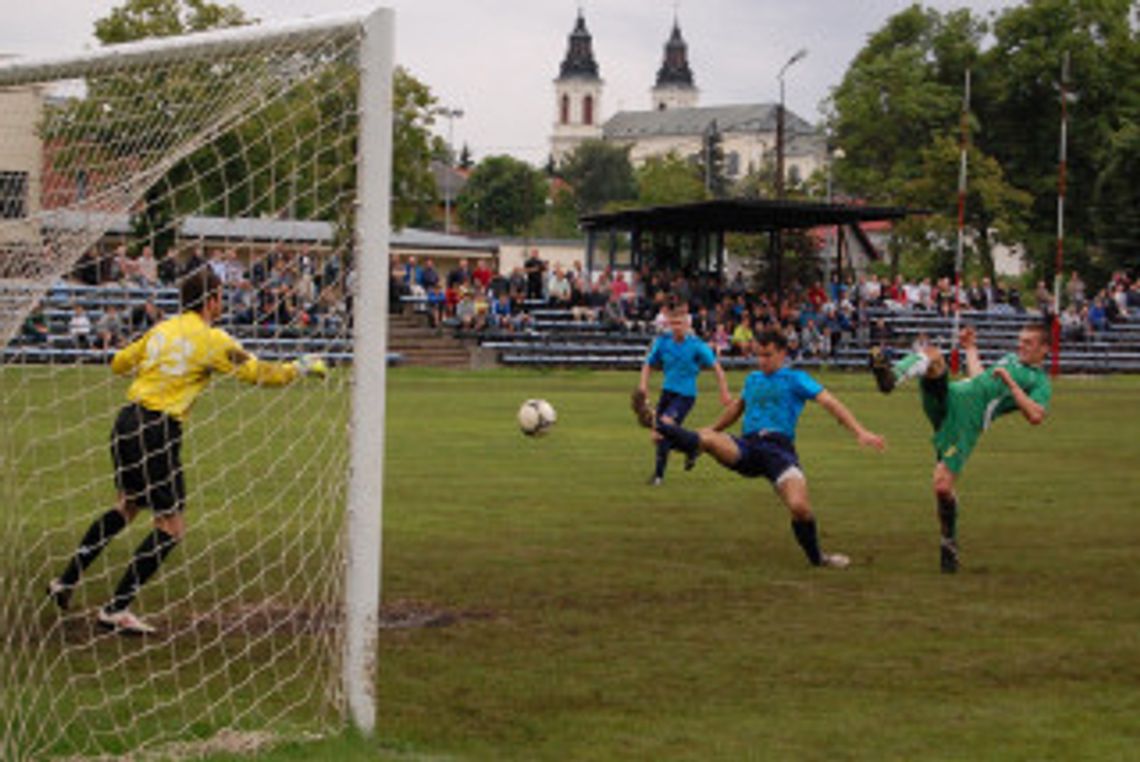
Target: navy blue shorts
column 674, row 406
column 765, row 454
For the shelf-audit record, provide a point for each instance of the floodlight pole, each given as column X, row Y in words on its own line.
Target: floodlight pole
column 364, row 521
column 955, row 354
column 451, row 114
column 1055, row 362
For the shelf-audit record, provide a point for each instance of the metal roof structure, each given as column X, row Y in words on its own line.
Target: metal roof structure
column 742, row 216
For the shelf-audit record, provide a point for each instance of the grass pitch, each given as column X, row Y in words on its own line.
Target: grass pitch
column 581, row 614
column 619, row 621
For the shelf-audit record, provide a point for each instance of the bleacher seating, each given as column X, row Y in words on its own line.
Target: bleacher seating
column 554, row 338
column 557, row 340
column 267, row 342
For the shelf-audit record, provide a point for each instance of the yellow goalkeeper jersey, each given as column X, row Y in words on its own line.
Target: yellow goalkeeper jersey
column 174, row 360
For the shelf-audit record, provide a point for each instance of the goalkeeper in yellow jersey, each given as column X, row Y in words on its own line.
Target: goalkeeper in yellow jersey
column 172, row 363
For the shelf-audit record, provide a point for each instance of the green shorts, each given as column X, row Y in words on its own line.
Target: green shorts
column 956, row 430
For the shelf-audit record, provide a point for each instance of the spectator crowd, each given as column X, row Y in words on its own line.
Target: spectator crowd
column 728, row 312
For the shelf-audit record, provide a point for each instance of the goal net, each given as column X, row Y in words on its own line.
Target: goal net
column 262, row 154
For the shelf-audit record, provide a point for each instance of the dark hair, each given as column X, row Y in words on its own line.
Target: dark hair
column 196, row 287
column 772, row 337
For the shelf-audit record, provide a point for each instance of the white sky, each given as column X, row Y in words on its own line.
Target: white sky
column 496, row 59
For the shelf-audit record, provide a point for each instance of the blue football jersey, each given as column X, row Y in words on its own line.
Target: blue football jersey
column 682, row 361
column 774, row 402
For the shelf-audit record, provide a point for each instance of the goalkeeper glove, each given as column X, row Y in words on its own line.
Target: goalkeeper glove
column 312, row 365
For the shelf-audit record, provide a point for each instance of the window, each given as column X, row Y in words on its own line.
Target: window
column 588, row 110
column 13, row 195
column 794, row 174
column 732, row 164
column 564, row 110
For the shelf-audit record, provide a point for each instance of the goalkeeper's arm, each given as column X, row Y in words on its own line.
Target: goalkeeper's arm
column 245, row 367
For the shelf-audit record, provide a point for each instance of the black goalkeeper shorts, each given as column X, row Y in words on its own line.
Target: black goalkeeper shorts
column 146, row 448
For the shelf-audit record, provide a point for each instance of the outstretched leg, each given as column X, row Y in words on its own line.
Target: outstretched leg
column 793, row 491
column 926, row 362
column 97, row 537
column 947, row 501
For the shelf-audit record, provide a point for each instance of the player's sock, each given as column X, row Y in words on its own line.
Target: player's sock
column 101, row 532
column 910, row 366
column 148, row 557
column 807, row 535
column 684, row 440
column 948, row 523
column 663, row 448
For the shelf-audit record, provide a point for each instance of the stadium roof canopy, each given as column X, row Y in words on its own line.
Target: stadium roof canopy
column 741, row 216
column 690, row 237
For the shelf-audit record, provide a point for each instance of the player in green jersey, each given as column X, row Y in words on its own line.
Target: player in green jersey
column 961, row 410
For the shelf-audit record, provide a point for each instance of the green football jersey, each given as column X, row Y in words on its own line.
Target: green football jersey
column 988, row 398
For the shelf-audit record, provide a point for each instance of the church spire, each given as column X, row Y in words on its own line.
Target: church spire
column 579, row 60
column 675, row 69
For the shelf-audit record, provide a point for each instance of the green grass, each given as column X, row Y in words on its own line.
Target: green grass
column 598, row 618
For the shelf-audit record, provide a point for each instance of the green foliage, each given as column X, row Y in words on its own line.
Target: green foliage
column 561, row 217
column 668, row 179
column 142, row 19
column 600, row 174
column 711, row 162
column 1116, row 200
column 903, row 89
column 465, row 160
column 502, row 195
column 992, row 204
column 1020, row 110
column 294, row 156
column 414, row 194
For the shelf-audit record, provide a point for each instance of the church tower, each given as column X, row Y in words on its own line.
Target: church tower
column 577, row 95
column 674, row 88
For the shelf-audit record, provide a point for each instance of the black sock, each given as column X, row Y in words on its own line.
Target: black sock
column 663, row 448
column 808, row 538
column 948, row 517
column 101, row 532
column 684, row 440
column 148, row 557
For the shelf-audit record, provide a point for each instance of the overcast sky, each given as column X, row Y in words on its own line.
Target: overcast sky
column 496, row 59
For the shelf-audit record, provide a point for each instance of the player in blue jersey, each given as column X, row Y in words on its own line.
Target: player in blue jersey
column 682, row 356
column 771, row 403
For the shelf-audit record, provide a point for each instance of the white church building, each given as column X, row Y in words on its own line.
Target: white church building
column 674, row 122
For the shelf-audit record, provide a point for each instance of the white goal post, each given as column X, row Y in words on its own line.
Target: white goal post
column 262, row 153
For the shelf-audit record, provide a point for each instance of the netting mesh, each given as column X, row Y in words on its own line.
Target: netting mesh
column 243, row 161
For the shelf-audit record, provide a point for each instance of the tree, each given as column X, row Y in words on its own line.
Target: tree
column 711, row 161
column 903, row 89
column 141, row 19
column 668, row 180
column 503, row 195
column 995, row 212
column 1116, row 201
column 600, row 174
column 465, row 160
column 414, row 193
column 1020, row 110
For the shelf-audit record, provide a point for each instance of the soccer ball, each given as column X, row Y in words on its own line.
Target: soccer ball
column 536, row 416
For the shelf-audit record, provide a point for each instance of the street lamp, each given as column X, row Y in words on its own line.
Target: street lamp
column 799, row 56
column 777, row 235
column 834, row 155
column 451, row 114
